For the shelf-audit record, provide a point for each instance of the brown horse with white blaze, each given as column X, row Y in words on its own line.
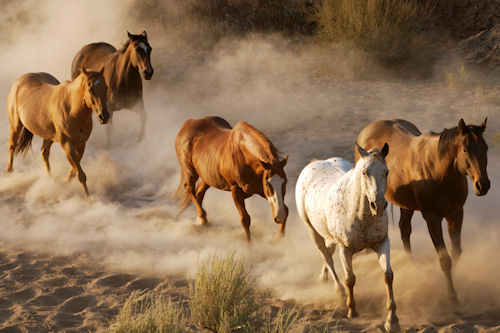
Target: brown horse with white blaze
column 122, row 71
column 62, row 112
column 428, row 172
column 240, row 159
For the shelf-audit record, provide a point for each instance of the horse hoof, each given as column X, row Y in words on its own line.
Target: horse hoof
column 392, row 326
column 352, row 314
column 323, row 278
column 202, row 221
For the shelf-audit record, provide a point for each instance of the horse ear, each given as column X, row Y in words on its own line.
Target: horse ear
column 144, row 34
column 129, row 35
column 101, row 70
column 283, row 161
column 385, row 150
column 483, row 124
column 462, row 127
column 361, row 151
column 83, row 70
column 266, row 165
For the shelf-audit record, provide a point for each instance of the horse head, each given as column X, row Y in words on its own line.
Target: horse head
column 95, row 93
column 472, row 155
column 374, row 177
column 141, row 53
column 274, row 186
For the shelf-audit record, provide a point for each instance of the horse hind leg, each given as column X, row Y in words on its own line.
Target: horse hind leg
column 201, row 189
column 326, row 251
column 405, row 228
column 46, row 153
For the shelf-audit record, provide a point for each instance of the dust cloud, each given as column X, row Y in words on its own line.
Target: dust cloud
column 308, row 100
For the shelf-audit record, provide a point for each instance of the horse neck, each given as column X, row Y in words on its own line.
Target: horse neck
column 123, row 64
column 357, row 202
column 443, row 165
column 74, row 98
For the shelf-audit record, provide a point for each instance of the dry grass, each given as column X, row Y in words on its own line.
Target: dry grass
column 223, row 296
column 145, row 312
column 385, row 28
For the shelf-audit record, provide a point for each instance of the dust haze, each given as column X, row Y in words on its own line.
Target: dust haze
column 309, row 101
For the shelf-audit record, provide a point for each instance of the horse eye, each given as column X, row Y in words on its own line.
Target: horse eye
column 465, row 150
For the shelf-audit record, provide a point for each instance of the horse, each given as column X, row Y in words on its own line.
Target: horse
column 428, row 172
column 122, row 71
column 343, row 205
column 62, row 112
column 240, row 159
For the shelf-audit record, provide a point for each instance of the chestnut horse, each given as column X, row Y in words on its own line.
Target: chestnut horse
column 122, row 71
column 240, row 159
column 39, row 104
column 428, row 172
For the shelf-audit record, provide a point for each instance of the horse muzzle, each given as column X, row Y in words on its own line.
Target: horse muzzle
column 103, row 117
column 148, row 74
column 482, row 187
column 378, row 210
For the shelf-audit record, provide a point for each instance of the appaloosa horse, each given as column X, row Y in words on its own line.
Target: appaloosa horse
column 240, row 159
column 122, row 71
column 344, row 205
column 62, row 112
column 428, row 173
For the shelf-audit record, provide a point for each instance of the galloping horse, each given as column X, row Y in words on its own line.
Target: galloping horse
column 122, row 71
column 240, row 159
column 344, row 205
column 39, row 104
column 428, row 173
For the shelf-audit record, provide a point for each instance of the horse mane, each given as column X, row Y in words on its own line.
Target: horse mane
column 125, row 46
column 269, row 147
column 448, row 135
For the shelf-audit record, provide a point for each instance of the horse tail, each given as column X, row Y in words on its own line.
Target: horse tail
column 23, row 142
column 182, row 196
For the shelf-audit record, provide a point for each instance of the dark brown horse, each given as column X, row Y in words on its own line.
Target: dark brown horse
column 122, row 71
column 62, row 112
column 240, row 159
column 428, row 172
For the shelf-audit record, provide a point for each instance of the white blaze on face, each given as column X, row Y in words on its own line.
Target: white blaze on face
column 96, row 82
column 276, row 200
column 144, row 47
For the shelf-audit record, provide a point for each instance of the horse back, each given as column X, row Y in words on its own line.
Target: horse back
column 92, row 56
column 30, row 99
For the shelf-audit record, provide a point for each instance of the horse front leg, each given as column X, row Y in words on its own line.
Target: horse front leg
column 434, row 226
column 405, row 228
column 72, row 156
column 454, row 220
column 239, row 201
column 141, row 112
column 383, row 253
column 79, row 154
column 350, row 280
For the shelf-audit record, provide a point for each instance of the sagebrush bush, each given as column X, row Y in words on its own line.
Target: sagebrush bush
column 223, row 296
column 386, row 28
column 144, row 312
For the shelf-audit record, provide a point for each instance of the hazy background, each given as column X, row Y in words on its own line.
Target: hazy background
column 309, row 100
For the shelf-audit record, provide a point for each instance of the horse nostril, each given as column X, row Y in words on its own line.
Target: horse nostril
column 372, row 204
column 478, row 186
column 276, row 219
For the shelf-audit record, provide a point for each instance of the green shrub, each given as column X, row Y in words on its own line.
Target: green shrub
column 223, row 297
column 143, row 312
